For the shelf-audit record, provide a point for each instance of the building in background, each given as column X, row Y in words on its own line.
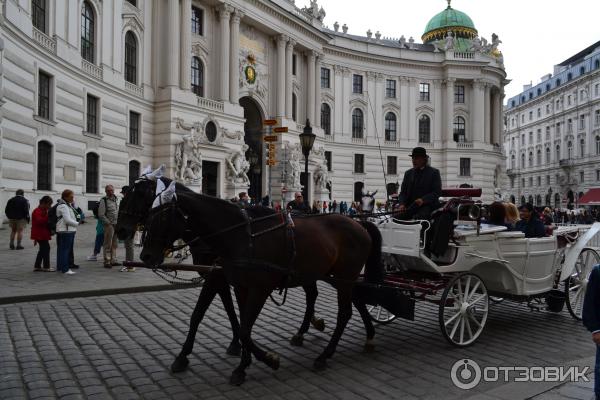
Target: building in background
column 552, row 134
column 92, row 91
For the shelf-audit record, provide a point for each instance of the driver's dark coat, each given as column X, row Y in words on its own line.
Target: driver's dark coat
column 425, row 184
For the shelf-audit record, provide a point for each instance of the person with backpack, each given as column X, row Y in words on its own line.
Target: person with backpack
column 40, row 234
column 17, row 212
column 108, row 211
column 66, row 227
column 99, row 235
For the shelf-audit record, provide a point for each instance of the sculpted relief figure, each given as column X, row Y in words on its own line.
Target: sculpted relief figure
column 449, row 41
column 188, row 160
column 238, row 167
column 322, row 177
column 293, row 166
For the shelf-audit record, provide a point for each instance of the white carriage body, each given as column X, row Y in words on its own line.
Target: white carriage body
column 507, row 262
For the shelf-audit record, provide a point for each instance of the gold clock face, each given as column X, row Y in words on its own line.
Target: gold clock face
column 250, row 73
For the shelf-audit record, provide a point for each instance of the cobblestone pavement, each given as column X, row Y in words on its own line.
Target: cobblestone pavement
column 19, row 282
column 121, row 347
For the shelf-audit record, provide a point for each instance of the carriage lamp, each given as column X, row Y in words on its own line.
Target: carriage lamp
column 307, row 139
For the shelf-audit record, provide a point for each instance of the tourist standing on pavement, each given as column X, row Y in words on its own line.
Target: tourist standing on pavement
column 99, row 241
column 108, row 210
column 591, row 319
column 129, row 241
column 17, row 212
column 66, row 227
column 40, row 234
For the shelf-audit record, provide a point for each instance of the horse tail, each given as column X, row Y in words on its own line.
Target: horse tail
column 373, row 266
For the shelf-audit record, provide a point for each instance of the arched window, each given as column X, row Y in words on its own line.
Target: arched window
column 44, row 166
column 294, row 107
column 512, row 199
column 91, row 173
column 130, row 58
column 357, row 123
column 197, row 77
column 459, row 130
column 390, row 127
column 569, row 150
column 547, row 155
column 326, row 118
column 538, row 157
column 597, row 145
column 512, row 161
column 530, row 199
column 522, row 160
column 556, row 200
column 581, row 70
column 424, row 129
column 523, row 201
column 569, row 76
column 87, row 32
column 538, row 200
column 558, row 82
column 211, row 131
column 134, row 172
column 582, row 148
column 547, row 198
column 557, row 153
column 530, row 158
column 596, row 64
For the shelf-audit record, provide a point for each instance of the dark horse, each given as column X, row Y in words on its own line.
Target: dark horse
column 134, row 209
column 263, row 254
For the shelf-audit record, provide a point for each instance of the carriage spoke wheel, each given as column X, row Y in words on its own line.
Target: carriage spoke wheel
column 576, row 284
column 380, row 314
column 463, row 309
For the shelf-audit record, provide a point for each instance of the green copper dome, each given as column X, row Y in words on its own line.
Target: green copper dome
column 450, row 19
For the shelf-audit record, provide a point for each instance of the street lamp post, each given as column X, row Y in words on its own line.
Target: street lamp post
column 307, row 139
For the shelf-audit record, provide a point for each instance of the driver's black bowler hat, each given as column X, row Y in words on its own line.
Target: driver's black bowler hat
column 418, row 152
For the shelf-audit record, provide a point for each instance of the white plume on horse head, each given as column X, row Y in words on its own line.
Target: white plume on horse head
column 164, row 194
column 146, row 170
column 160, row 171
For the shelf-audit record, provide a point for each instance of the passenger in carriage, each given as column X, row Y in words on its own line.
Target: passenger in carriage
column 529, row 224
column 497, row 215
column 512, row 215
column 421, row 188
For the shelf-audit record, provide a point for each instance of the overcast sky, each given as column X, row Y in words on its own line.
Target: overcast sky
column 535, row 34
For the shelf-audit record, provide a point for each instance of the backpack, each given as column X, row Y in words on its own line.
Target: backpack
column 53, row 219
column 97, row 206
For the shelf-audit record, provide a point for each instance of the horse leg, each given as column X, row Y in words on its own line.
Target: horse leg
column 253, row 303
column 311, row 297
column 344, row 295
column 207, row 295
column 364, row 314
column 234, row 348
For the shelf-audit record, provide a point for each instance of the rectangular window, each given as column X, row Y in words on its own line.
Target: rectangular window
column 523, row 182
column 359, row 163
column 424, row 91
column 197, row 21
column 523, row 140
column 547, row 179
column 597, row 90
column 581, row 176
column 44, row 82
column 325, row 76
column 92, row 115
column 569, row 126
column 512, row 183
column 465, row 167
column 294, row 64
column 539, row 181
column 390, row 88
column 459, row 94
column 392, row 162
column 597, row 118
column 558, row 127
column 531, row 181
column 357, row 84
column 134, row 128
column 539, row 112
column 547, row 108
column 581, row 122
column 39, row 15
column 598, row 174
column 132, row 2
column 530, row 115
column 328, row 160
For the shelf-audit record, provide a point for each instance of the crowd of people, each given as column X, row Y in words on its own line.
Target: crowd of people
column 61, row 220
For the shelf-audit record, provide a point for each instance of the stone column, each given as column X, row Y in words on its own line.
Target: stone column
column 404, row 112
column 439, row 118
column 317, row 104
column 172, row 65
column 487, row 114
column 448, row 134
column 310, row 102
column 234, row 73
column 289, row 90
column 185, row 68
column 225, row 11
column 496, row 117
column 477, row 110
column 413, row 133
column 370, row 99
column 281, row 41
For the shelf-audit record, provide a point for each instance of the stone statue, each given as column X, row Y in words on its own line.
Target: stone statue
column 321, row 176
column 495, row 42
column 449, row 41
column 402, row 41
column 322, row 14
column 345, row 28
column 476, row 44
column 188, row 159
column 238, row 167
column 293, row 169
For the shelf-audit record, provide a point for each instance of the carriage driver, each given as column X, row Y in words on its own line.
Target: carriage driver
column 421, row 188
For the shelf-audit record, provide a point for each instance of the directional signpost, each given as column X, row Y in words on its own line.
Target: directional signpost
column 270, row 138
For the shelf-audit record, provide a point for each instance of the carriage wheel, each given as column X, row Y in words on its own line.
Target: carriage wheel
column 576, row 284
column 380, row 314
column 463, row 309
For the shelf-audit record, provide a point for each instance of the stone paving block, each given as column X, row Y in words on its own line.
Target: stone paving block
column 40, row 393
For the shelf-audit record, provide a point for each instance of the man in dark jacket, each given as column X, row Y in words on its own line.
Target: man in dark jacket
column 530, row 224
column 298, row 204
column 17, row 212
column 591, row 319
column 421, row 188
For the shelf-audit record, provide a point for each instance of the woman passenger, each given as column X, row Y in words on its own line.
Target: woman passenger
column 512, row 215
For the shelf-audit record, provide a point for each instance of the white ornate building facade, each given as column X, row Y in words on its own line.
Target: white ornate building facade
column 91, row 91
column 552, row 134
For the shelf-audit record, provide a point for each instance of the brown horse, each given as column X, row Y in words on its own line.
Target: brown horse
column 263, row 254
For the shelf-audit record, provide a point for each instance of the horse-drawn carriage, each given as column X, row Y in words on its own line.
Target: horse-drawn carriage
column 482, row 264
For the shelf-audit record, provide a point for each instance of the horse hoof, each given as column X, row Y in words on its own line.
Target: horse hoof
column 180, row 364
column 318, row 324
column 272, row 360
column 237, row 378
column 234, row 349
column 369, row 348
column 320, row 365
column 297, row 340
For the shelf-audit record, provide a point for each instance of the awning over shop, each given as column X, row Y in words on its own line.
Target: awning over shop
column 591, row 198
